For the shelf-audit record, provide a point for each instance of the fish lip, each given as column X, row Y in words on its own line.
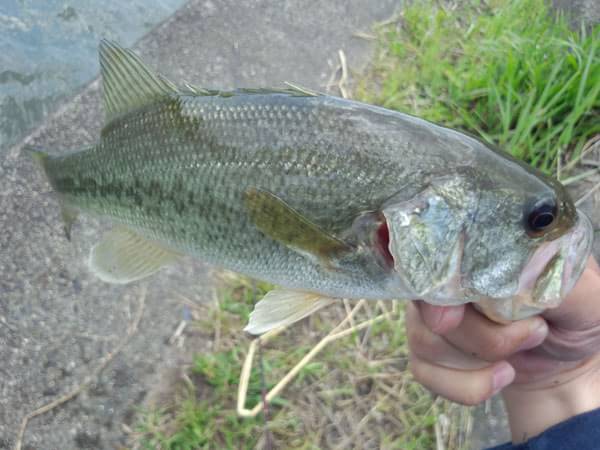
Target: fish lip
column 536, row 265
column 575, row 246
column 578, row 248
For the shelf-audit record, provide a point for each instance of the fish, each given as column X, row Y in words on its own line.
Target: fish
column 326, row 198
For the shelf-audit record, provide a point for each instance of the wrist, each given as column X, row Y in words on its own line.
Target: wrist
column 535, row 407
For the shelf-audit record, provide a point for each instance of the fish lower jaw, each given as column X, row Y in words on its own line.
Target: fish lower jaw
column 577, row 253
column 506, row 310
column 547, row 279
column 542, row 294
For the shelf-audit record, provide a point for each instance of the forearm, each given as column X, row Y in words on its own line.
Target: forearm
column 534, row 407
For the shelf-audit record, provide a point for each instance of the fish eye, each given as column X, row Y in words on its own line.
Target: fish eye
column 541, row 217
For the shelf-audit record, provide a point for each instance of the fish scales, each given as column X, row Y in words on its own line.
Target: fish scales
column 328, row 198
column 177, row 171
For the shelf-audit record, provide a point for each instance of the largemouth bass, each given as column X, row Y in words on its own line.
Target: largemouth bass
column 326, row 197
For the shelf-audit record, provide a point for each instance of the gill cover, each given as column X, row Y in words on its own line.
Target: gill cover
column 427, row 237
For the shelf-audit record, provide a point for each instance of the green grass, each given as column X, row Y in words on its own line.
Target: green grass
column 510, row 71
column 507, row 70
column 361, row 378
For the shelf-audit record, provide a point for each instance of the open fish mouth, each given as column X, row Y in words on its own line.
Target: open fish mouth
column 548, row 277
column 578, row 252
column 559, row 273
column 555, row 267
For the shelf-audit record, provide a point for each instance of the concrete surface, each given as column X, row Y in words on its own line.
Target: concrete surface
column 49, row 51
column 56, row 320
column 587, row 11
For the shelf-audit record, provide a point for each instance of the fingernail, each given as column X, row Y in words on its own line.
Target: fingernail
column 503, row 376
column 537, row 335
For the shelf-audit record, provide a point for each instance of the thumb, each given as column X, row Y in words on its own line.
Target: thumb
column 575, row 325
column 441, row 319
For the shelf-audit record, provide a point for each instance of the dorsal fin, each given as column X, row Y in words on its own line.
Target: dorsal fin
column 127, row 82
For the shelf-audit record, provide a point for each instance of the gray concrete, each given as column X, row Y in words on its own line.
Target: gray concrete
column 587, row 11
column 49, row 51
column 56, row 320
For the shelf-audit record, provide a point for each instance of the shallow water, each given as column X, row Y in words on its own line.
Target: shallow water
column 49, row 51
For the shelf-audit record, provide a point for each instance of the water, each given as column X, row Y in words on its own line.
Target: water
column 48, row 51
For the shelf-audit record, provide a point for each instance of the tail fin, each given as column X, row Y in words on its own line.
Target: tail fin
column 69, row 214
column 38, row 155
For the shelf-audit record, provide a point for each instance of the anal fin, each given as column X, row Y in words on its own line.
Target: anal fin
column 281, row 307
column 123, row 256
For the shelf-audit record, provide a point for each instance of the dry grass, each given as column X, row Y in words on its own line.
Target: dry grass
column 356, row 393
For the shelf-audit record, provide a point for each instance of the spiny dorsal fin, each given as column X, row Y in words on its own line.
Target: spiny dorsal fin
column 301, row 90
column 127, row 82
column 292, row 91
column 197, row 90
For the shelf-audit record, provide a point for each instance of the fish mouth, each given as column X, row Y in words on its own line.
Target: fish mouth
column 578, row 252
column 548, row 276
column 556, row 266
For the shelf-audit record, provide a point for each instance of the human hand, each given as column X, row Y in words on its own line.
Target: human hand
column 462, row 355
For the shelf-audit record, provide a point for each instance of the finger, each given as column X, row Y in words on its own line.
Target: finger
column 433, row 348
column 441, row 319
column 575, row 324
column 469, row 387
column 534, row 365
column 482, row 338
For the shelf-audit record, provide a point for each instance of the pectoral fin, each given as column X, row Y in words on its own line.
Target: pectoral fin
column 282, row 307
column 123, row 256
column 278, row 220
